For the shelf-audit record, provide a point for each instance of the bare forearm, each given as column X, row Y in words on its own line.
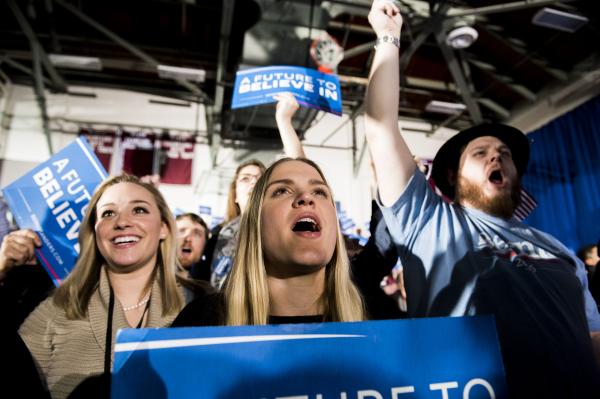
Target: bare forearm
column 381, row 120
column 391, row 157
column 284, row 112
column 382, row 97
column 292, row 147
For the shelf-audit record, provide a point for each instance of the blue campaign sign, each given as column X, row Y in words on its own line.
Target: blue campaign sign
column 51, row 199
column 310, row 87
column 393, row 359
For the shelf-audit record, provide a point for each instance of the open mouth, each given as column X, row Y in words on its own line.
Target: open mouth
column 496, row 177
column 186, row 250
column 306, row 224
column 124, row 240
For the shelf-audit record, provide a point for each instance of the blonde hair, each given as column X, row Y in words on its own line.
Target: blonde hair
column 74, row 294
column 233, row 209
column 246, row 290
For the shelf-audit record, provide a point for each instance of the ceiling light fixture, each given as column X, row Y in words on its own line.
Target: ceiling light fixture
column 560, row 20
column 173, row 72
column 444, row 107
column 461, row 37
column 76, row 62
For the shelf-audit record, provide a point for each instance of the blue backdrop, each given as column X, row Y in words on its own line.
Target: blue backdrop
column 564, row 176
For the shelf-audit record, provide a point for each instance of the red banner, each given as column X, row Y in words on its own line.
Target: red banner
column 102, row 141
column 145, row 153
column 138, row 153
column 176, row 161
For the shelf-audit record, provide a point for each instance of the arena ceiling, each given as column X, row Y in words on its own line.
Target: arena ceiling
column 513, row 65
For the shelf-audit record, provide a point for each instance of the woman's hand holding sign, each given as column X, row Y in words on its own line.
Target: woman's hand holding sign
column 286, row 106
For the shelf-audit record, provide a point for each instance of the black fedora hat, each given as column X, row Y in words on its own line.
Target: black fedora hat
column 448, row 156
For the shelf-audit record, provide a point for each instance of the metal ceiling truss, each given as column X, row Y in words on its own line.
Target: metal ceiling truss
column 55, row 43
column 57, row 81
column 514, row 6
column 527, row 55
column 459, row 69
column 357, row 111
column 424, row 17
column 460, row 77
column 20, row 67
column 195, row 90
column 39, row 58
column 39, row 92
column 217, row 108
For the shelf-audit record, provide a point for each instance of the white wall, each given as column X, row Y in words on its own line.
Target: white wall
column 23, row 144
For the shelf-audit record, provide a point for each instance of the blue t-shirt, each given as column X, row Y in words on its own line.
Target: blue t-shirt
column 460, row 261
column 433, row 236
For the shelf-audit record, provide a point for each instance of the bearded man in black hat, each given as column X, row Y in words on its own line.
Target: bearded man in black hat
column 470, row 255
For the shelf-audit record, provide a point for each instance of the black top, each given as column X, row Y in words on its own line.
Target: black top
column 23, row 288
column 210, row 311
column 295, row 319
column 372, row 264
column 202, row 311
column 201, row 270
column 19, row 377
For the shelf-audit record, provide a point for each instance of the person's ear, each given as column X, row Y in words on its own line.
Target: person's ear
column 164, row 231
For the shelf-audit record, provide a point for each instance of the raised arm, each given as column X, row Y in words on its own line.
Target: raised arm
column 286, row 108
column 394, row 165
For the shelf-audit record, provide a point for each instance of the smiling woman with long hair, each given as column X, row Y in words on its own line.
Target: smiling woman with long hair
column 290, row 264
column 126, row 276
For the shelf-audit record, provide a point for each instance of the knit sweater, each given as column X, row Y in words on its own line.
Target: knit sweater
column 68, row 351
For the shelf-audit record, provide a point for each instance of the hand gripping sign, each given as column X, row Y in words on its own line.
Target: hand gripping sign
column 52, row 198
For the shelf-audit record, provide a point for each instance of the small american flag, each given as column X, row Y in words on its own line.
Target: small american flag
column 527, row 205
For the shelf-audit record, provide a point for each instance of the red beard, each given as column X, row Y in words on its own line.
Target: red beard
column 502, row 205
